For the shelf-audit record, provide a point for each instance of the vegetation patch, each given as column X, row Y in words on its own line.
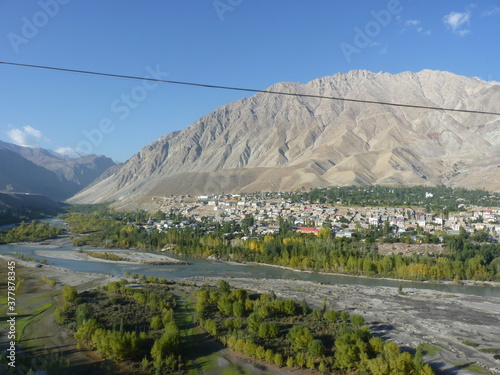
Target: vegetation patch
column 106, row 256
column 25, row 318
column 490, row 350
column 34, row 231
column 429, row 349
column 155, row 329
column 470, row 343
column 287, row 334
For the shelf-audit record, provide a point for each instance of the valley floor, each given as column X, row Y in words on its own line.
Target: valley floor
column 458, row 330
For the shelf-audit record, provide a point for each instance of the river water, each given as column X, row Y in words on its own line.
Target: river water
column 209, row 268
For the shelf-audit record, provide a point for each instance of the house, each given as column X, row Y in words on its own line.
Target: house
column 346, row 234
column 308, row 230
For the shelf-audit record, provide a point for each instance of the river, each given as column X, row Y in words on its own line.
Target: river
column 209, row 268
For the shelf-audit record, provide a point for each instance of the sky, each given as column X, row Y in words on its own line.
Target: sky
column 243, row 43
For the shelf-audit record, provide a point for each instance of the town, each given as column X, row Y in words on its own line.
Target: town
column 261, row 215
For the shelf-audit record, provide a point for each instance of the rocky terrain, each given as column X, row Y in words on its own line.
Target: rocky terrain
column 276, row 142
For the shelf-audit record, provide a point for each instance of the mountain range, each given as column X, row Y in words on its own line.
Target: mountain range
column 271, row 142
column 41, row 171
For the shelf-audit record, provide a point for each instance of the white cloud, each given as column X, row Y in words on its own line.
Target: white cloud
column 412, row 23
column 27, row 136
column 491, row 12
column 455, row 21
column 415, row 25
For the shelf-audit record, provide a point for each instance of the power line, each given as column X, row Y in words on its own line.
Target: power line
column 248, row 89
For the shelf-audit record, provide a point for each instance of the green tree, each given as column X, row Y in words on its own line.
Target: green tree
column 331, row 315
column 86, row 331
column 299, row 337
column 69, row 293
column 316, row 348
column 82, row 313
column 357, row 320
column 268, row 330
column 156, row 322
column 253, row 322
column 223, row 286
column 278, row 359
column 168, row 343
column 238, row 309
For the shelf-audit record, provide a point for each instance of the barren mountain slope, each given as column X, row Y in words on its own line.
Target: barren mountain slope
column 277, row 142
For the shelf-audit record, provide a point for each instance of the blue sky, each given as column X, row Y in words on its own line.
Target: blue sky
column 245, row 43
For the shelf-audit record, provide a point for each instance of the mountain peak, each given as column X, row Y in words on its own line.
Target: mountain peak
column 272, row 142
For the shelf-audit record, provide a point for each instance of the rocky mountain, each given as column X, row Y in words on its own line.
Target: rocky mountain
column 275, row 142
column 40, row 171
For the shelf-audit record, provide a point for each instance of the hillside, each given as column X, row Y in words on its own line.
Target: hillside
column 23, row 201
column 274, row 142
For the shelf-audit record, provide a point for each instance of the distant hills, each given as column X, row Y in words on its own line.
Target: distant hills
column 276, row 142
column 40, row 171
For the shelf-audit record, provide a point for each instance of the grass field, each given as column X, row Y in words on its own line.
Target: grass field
column 200, row 351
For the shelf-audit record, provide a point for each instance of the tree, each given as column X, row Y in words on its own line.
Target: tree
column 268, row 330
column 325, row 233
column 427, row 370
column 418, row 360
column 378, row 366
column 299, row 337
column 156, row 322
column 223, row 286
column 166, row 344
column 322, row 367
column 82, row 313
column 289, row 307
column 69, row 293
column 269, row 355
column 278, row 359
column 311, row 363
column 85, row 332
column 316, row 348
column 331, row 315
column 345, row 316
column 253, row 322
column 211, row 327
column 305, row 307
column 357, row 320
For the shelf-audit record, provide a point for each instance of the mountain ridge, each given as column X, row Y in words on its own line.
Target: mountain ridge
column 49, row 174
column 278, row 142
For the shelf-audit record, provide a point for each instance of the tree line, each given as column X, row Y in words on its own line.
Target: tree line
column 435, row 198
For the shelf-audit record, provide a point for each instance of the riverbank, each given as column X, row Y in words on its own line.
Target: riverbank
column 446, row 282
